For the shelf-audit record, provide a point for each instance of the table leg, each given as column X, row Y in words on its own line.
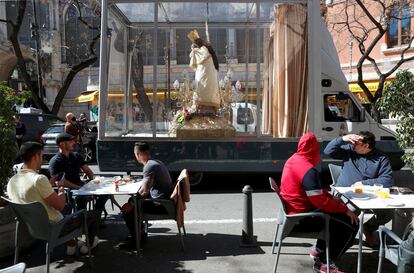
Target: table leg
column 137, row 235
column 361, row 231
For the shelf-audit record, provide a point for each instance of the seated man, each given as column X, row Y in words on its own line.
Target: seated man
column 156, row 184
column 70, row 163
column 28, row 186
column 301, row 192
column 363, row 164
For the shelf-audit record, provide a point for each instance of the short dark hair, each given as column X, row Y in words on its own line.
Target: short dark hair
column 368, row 138
column 29, row 149
column 142, row 148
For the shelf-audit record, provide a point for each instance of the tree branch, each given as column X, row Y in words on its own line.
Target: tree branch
column 368, row 14
column 7, row 22
column 80, row 17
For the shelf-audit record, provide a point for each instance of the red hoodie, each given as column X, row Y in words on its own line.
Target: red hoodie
column 300, row 187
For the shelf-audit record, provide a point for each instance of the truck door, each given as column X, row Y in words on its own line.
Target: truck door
column 341, row 115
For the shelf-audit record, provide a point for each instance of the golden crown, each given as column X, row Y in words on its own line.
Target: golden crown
column 193, row 35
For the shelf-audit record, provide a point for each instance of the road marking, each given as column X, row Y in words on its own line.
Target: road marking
column 195, row 222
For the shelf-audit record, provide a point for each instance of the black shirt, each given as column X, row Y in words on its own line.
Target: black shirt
column 69, row 165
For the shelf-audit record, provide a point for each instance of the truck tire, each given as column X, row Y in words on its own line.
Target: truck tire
column 195, row 178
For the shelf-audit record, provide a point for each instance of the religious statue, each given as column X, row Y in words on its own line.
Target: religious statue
column 204, row 61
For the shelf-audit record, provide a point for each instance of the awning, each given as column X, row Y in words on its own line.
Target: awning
column 372, row 86
column 87, row 96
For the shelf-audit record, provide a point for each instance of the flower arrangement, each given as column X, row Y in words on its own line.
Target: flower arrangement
column 179, row 119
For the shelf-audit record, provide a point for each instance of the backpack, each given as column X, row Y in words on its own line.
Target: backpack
column 406, row 253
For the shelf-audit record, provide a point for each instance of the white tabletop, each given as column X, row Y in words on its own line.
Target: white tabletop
column 369, row 200
column 107, row 186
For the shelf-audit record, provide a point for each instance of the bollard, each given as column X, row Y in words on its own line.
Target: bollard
column 248, row 240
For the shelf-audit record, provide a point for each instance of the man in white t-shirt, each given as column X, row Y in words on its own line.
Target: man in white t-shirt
column 28, row 186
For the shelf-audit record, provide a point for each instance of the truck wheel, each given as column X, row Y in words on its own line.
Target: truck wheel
column 196, row 178
column 87, row 154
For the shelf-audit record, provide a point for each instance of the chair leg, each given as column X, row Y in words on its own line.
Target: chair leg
column 181, row 237
column 185, row 233
column 277, row 255
column 274, row 240
column 47, row 257
column 16, row 243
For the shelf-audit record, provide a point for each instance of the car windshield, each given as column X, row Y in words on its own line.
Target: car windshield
column 54, row 130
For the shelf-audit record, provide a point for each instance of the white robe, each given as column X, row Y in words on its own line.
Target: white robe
column 206, row 78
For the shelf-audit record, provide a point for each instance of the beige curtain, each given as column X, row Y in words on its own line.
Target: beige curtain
column 267, row 99
column 285, row 74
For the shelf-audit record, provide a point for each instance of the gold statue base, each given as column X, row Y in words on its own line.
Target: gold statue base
column 206, row 127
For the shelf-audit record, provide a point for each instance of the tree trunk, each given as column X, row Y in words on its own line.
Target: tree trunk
column 68, row 80
column 137, row 68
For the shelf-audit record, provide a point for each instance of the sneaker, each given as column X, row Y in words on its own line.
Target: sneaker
column 371, row 240
column 129, row 245
column 70, row 250
column 323, row 268
column 83, row 249
column 315, row 253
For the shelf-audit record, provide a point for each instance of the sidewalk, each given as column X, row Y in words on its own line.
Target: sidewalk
column 211, row 246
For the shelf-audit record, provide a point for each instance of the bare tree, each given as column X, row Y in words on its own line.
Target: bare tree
column 74, row 69
column 367, row 22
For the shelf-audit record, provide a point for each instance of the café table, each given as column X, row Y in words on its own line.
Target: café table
column 369, row 200
column 106, row 186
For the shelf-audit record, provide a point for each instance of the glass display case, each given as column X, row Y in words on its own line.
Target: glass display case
column 163, row 83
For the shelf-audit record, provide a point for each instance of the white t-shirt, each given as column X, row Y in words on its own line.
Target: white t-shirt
column 28, row 186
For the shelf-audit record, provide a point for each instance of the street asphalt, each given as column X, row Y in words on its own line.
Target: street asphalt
column 213, row 242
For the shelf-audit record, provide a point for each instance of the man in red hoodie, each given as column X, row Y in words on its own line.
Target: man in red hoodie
column 301, row 192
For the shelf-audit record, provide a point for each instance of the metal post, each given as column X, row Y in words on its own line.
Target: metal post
column 248, row 240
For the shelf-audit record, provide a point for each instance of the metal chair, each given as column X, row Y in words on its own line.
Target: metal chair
column 17, row 268
column 388, row 251
column 34, row 217
column 170, row 207
column 287, row 222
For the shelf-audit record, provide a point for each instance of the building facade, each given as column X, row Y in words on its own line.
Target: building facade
column 387, row 51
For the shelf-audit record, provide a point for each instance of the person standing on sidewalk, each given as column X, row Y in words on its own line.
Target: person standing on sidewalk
column 363, row 165
column 301, row 192
column 74, row 128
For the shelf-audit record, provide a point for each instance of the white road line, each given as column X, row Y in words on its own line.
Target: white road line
column 195, row 222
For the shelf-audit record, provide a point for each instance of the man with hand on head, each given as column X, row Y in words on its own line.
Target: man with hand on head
column 363, row 165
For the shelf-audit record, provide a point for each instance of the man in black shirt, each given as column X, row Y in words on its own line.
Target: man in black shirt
column 70, row 163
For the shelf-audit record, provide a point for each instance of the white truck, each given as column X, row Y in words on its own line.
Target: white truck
column 330, row 110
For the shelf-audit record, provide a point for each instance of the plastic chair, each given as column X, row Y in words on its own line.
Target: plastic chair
column 169, row 206
column 287, row 222
column 335, row 171
column 388, row 251
column 17, row 268
column 34, row 217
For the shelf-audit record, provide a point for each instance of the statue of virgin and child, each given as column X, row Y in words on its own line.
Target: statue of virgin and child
column 204, row 61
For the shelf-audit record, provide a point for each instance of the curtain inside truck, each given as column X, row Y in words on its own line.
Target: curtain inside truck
column 285, row 75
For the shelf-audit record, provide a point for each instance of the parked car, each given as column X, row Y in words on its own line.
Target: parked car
column 50, row 147
column 36, row 124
